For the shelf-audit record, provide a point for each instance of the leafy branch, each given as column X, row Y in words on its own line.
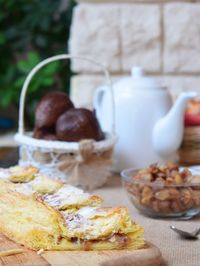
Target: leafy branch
column 29, row 32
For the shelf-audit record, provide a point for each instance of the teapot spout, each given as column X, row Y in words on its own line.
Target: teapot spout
column 168, row 131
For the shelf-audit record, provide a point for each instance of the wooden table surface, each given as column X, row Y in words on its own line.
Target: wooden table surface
column 176, row 251
column 148, row 256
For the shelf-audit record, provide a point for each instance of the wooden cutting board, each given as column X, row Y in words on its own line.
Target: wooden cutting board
column 149, row 256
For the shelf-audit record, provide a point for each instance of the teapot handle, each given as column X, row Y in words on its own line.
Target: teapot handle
column 97, row 103
column 98, row 97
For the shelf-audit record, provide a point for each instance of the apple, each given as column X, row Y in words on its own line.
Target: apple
column 192, row 119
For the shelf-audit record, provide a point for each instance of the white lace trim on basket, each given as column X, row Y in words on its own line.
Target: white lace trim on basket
column 49, row 146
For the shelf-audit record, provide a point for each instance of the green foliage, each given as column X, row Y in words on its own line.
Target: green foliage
column 29, row 32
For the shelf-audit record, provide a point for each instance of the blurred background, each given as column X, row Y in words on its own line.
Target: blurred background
column 163, row 37
column 30, row 31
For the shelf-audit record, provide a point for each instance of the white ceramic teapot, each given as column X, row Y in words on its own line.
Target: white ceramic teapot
column 149, row 128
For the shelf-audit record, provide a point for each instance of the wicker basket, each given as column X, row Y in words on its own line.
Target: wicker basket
column 86, row 163
column 189, row 152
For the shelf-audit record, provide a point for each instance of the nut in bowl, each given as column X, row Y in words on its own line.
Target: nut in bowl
column 166, row 191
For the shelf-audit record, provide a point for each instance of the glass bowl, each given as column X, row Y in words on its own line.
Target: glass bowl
column 158, row 200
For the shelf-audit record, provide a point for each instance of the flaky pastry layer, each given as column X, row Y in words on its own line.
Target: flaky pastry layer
column 75, row 222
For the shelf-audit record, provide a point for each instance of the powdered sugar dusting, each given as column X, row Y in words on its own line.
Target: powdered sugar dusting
column 86, row 211
column 66, row 195
column 24, row 188
column 80, row 219
column 4, row 173
column 68, row 190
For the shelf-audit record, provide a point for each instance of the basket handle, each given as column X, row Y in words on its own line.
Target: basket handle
column 52, row 59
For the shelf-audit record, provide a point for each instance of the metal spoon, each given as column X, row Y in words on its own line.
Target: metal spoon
column 186, row 235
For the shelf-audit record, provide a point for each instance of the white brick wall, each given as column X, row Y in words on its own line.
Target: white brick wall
column 84, row 86
column 161, row 36
column 182, row 37
column 140, row 38
column 94, row 32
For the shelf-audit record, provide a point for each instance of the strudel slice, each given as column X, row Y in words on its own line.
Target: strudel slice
column 65, row 219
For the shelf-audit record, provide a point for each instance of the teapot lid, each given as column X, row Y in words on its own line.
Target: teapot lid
column 142, row 82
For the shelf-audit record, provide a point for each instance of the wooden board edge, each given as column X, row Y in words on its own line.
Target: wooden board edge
column 149, row 256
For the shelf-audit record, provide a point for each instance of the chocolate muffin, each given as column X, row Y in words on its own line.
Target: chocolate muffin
column 50, row 107
column 41, row 133
column 77, row 124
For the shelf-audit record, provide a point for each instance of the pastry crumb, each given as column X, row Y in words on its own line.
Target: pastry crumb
column 10, row 252
column 40, row 251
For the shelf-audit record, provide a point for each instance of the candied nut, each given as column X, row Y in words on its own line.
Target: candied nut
column 153, row 168
column 166, row 188
column 186, row 198
column 159, row 180
column 160, row 175
column 186, row 173
column 196, row 196
column 169, row 181
column 145, row 201
column 147, row 177
column 155, row 205
column 164, row 206
column 140, row 188
column 174, row 193
column 168, row 173
column 173, row 173
column 147, row 195
column 158, row 184
column 175, row 206
column 143, row 171
column 130, row 189
column 178, row 179
column 162, row 194
column 135, row 191
column 163, row 168
column 172, row 166
column 147, row 191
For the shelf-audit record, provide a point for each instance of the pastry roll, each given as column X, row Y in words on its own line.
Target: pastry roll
column 69, row 197
column 65, row 219
column 45, row 185
column 22, row 174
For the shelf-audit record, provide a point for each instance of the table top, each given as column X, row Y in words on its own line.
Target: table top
column 176, row 251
